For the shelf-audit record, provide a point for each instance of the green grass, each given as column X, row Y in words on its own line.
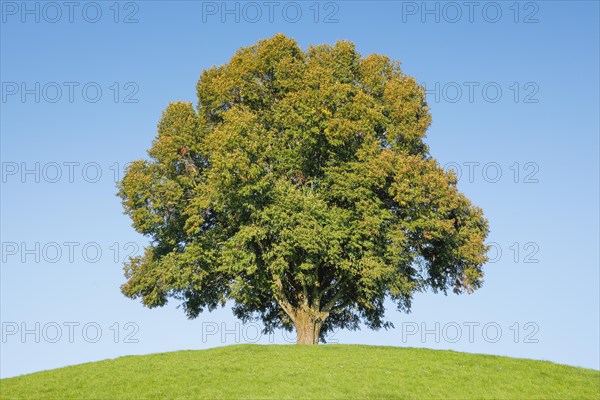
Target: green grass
column 309, row 372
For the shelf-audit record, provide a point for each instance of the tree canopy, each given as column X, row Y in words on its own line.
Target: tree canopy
column 301, row 189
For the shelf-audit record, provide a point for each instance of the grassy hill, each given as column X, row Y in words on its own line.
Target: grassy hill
column 323, row 372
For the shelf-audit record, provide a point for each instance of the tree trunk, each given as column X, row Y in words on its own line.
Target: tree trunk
column 308, row 327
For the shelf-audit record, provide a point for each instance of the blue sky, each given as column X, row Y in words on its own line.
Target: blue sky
column 514, row 94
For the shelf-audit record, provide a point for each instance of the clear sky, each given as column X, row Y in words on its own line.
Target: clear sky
column 514, row 93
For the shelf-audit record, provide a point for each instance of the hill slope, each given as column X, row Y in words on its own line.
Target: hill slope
column 323, row 372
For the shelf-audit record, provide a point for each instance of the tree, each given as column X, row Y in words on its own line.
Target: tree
column 302, row 190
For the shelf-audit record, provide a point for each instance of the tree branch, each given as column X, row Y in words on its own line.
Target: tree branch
column 331, row 303
column 283, row 300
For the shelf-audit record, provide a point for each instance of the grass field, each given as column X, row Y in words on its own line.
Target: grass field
column 308, row 372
